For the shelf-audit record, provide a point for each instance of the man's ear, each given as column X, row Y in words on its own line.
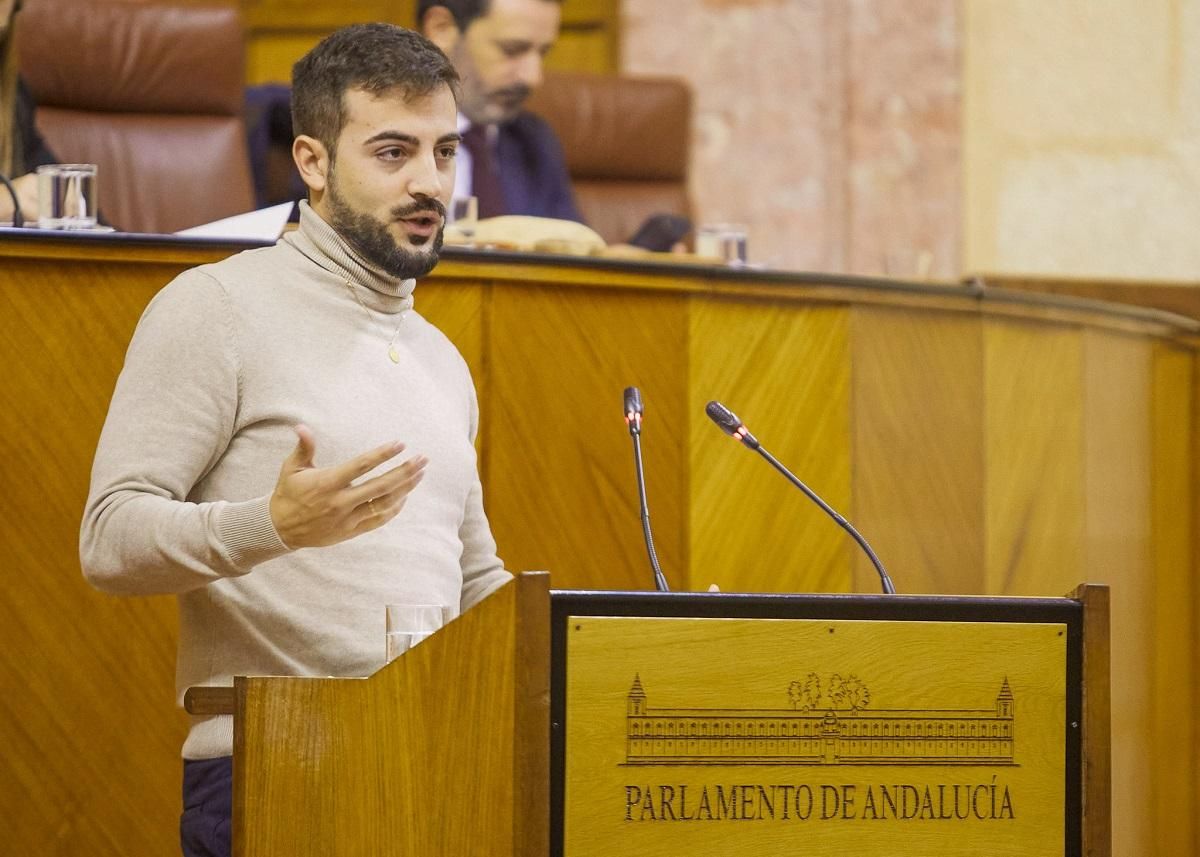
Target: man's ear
column 312, row 160
column 438, row 25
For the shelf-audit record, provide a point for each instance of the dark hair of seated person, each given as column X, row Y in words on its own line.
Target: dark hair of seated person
column 464, row 11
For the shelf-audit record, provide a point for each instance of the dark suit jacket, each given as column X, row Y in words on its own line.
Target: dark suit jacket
column 533, row 170
column 34, row 151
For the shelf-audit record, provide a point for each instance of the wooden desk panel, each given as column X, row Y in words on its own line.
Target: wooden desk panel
column 918, row 448
column 984, row 445
column 787, row 374
column 1034, row 445
column 87, row 714
column 560, row 483
column 1170, row 296
column 1172, row 562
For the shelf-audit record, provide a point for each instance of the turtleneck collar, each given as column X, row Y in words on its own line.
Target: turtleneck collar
column 324, row 246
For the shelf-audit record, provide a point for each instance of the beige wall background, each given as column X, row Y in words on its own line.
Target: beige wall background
column 993, row 136
column 830, row 127
column 1081, row 137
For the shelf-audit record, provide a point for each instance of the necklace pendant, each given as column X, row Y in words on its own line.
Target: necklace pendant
column 393, row 354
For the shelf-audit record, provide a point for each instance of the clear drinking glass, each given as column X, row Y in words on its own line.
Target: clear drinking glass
column 67, row 196
column 409, row 624
column 464, row 214
column 723, row 241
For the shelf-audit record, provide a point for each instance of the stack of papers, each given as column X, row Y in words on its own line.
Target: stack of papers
column 266, row 224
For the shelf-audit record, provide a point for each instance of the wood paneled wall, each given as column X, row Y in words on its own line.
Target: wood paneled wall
column 279, row 32
column 87, row 681
column 983, row 445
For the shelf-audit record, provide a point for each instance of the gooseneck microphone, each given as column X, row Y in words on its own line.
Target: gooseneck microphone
column 732, row 426
column 633, row 418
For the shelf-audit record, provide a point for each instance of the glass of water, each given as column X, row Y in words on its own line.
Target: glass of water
column 67, row 196
column 409, row 624
column 464, row 214
column 725, row 242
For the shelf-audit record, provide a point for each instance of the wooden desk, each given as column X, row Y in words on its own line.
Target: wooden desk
column 1175, row 296
column 984, row 442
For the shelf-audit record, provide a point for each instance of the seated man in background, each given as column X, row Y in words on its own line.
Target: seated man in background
column 22, row 149
column 513, row 163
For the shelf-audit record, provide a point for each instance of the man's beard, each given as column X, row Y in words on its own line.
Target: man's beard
column 371, row 238
column 509, row 101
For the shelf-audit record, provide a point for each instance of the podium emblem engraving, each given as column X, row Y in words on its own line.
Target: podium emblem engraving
column 829, row 723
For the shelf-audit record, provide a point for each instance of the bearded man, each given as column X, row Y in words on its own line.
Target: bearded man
column 310, row 348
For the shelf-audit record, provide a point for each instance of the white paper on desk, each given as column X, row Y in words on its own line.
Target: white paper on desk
column 266, row 224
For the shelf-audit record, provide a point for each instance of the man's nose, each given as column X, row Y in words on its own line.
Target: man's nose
column 424, row 178
column 529, row 70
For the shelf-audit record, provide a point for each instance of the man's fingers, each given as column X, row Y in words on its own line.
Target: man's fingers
column 348, row 471
column 398, row 493
column 380, row 510
column 388, row 483
column 313, row 507
column 368, row 516
column 303, row 454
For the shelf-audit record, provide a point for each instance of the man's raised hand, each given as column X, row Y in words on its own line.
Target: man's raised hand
column 318, row 506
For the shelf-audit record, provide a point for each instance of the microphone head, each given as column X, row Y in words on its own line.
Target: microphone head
column 730, row 424
column 633, row 409
column 723, row 417
column 633, row 401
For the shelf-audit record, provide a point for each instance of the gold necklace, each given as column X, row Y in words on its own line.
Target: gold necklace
column 392, row 352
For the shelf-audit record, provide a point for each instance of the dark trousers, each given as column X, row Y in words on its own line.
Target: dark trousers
column 204, row 827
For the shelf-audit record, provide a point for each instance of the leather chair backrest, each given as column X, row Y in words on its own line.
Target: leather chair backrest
column 627, row 143
column 150, row 92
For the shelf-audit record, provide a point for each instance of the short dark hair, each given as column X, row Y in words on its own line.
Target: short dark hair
column 373, row 57
column 464, row 11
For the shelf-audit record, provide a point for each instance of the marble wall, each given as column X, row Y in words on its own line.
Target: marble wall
column 1082, row 137
column 967, row 136
column 830, row 127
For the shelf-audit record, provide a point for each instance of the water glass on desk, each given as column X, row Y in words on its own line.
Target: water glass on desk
column 409, row 624
column 463, row 214
column 67, row 196
column 723, row 241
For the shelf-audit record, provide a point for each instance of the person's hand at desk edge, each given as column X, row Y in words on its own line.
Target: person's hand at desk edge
column 26, row 191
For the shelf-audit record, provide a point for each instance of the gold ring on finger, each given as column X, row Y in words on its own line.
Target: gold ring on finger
column 371, row 506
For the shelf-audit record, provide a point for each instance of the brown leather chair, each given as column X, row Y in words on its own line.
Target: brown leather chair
column 150, row 92
column 627, row 142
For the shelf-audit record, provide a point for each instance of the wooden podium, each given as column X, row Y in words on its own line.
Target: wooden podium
column 605, row 723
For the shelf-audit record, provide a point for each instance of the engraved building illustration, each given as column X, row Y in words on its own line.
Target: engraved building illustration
column 825, row 735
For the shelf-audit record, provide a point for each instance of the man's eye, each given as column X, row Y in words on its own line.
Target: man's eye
column 512, row 51
column 448, row 152
column 390, row 154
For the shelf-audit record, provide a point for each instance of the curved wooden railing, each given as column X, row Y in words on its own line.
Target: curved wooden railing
column 984, row 441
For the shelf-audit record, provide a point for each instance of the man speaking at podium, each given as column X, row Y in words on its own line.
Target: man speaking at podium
column 289, row 446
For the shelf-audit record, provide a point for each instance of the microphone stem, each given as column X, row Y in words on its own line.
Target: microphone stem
column 888, row 587
column 660, row 581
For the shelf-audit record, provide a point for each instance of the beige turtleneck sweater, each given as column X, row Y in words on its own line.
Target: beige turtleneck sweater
column 225, row 360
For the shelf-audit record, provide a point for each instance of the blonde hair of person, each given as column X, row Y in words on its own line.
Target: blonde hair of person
column 10, row 144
